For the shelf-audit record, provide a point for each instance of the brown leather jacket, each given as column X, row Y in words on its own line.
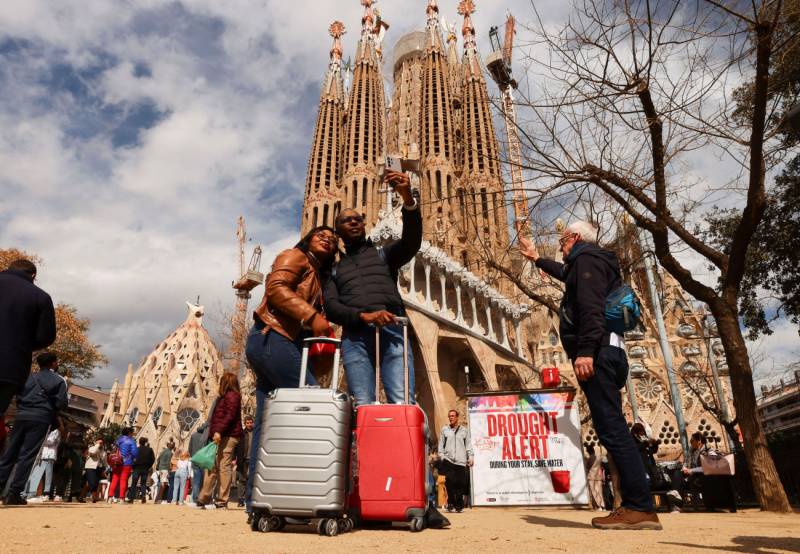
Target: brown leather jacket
column 292, row 292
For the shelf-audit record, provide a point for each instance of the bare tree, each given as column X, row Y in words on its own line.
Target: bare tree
column 625, row 98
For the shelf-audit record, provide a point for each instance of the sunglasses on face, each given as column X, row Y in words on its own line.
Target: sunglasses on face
column 352, row 219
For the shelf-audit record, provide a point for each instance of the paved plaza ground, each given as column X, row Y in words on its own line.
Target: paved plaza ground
column 48, row 528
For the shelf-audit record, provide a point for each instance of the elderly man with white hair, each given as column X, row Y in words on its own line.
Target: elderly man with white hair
column 590, row 273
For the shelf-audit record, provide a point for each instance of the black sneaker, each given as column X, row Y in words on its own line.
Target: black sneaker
column 14, row 499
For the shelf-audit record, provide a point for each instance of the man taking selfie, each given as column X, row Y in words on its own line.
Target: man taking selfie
column 362, row 294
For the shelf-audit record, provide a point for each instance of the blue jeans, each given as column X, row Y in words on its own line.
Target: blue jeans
column 197, row 481
column 276, row 363
column 44, row 467
column 358, row 353
column 276, row 359
column 179, row 487
column 605, row 405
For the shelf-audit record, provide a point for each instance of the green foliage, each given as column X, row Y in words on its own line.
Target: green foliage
column 773, row 259
column 109, row 434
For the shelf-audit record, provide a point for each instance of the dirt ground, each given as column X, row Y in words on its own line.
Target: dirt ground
column 151, row 528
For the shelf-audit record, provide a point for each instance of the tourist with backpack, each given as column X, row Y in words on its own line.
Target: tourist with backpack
column 596, row 309
column 122, row 465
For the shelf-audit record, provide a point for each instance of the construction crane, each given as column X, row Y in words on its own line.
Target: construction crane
column 250, row 278
column 499, row 65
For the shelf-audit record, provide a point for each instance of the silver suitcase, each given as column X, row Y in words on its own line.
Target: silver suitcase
column 301, row 469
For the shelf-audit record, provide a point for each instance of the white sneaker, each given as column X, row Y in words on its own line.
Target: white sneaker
column 164, row 502
column 57, row 499
column 36, row 499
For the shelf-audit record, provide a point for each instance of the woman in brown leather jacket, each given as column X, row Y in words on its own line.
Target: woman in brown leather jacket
column 289, row 312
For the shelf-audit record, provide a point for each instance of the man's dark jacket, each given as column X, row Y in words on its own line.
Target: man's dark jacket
column 27, row 324
column 590, row 274
column 365, row 280
column 145, row 459
column 42, row 397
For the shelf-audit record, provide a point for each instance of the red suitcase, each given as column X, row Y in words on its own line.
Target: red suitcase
column 389, row 458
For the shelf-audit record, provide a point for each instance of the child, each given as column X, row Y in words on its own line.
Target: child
column 184, row 468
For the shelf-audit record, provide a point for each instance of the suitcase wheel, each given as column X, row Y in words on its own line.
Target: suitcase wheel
column 417, row 524
column 262, row 523
column 328, row 527
column 345, row 525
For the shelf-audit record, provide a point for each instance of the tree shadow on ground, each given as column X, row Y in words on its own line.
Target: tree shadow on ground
column 552, row 522
column 756, row 545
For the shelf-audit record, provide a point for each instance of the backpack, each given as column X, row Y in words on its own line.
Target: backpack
column 623, row 310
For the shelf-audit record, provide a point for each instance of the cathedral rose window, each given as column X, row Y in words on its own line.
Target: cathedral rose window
column 187, row 417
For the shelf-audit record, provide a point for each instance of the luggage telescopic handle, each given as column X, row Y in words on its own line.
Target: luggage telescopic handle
column 404, row 322
column 304, row 361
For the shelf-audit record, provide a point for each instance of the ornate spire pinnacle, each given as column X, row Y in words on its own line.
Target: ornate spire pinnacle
column 336, row 30
column 433, row 13
column 467, row 8
column 368, row 19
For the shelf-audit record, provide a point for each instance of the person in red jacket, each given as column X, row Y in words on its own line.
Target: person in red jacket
column 225, row 428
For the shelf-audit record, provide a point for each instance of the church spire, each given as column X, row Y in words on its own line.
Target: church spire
column 436, row 129
column 364, row 134
column 481, row 163
column 321, row 204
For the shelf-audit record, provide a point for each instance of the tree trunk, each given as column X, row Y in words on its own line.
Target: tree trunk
column 766, row 482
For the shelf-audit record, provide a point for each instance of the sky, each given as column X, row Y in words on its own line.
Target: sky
column 134, row 133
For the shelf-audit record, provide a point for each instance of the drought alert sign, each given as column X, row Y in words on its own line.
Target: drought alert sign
column 527, row 449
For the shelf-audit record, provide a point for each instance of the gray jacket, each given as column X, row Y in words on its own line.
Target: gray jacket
column 455, row 445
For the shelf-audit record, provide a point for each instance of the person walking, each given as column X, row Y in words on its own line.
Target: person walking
column 163, row 467
column 197, row 441
column 44, row 467
column 142, row 465
column 27, row 324
column 69, row 480
column 42, row 398
column 94, row 467
column 361, row 294
column 243, row 458
column 595, row 478
column 290, row 309
column 182, row 473
column 455, row 456
column 590, row 274
column 120, row 474
column 226, row 430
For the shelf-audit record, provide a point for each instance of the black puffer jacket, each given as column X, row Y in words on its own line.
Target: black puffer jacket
column 364, row 280
column 590, row 274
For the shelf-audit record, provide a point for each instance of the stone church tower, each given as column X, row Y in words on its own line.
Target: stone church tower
column 471, row 328
column 171, row 392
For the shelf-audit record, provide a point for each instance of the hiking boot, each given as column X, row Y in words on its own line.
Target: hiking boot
column 622, row 518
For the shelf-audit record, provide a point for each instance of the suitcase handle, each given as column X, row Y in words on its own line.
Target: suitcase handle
column 404, row 322
column 304, row 361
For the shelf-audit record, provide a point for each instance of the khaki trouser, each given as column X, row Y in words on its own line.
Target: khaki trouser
column 222, row 470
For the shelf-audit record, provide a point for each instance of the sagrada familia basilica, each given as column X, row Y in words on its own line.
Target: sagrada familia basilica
column 473, row 329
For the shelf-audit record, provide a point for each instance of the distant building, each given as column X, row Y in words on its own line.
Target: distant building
column 86, row 403
column 779, row 406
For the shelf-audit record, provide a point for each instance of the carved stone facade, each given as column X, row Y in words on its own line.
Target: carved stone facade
column 171, row 392
column 463, row 315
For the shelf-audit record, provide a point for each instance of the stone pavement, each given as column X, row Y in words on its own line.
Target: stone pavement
column 166, row 528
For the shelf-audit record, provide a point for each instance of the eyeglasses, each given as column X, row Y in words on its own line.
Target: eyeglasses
column 564, row 240
column 327, row 236
column 351, row 219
